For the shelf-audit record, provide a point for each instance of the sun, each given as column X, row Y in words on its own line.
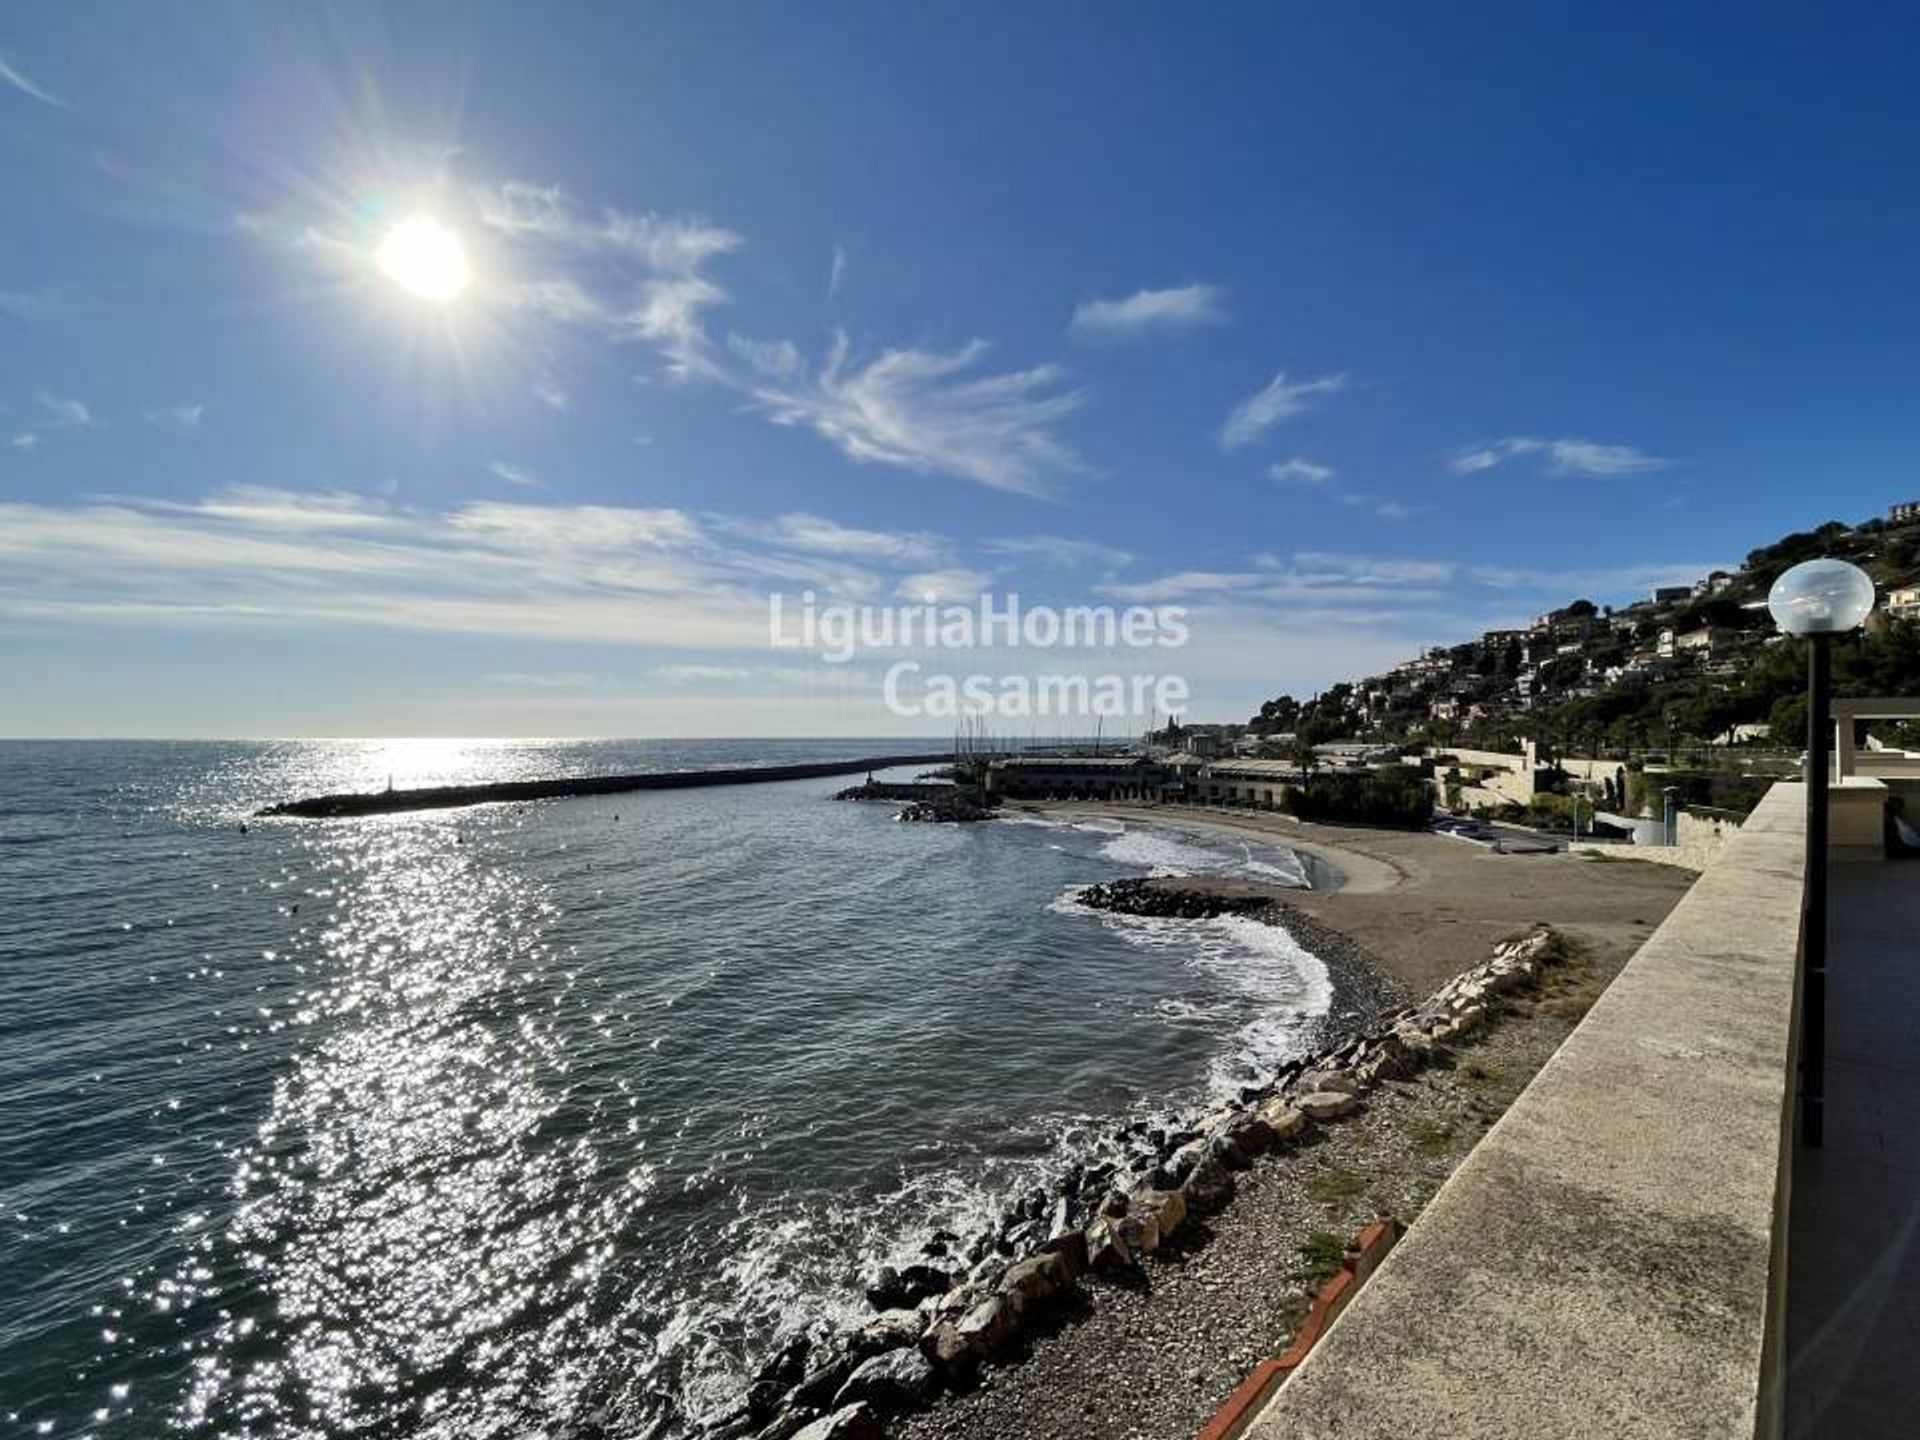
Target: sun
column 425, row 258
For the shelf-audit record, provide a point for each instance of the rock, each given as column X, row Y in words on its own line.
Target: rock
column 1326, row 1105
column 889, row 1330
column 779, row 1375
column 1327, row 1082
column 1250, row 1134
column 1106, row 1251
column 1113, row 1204
column 903, row 1289
column 1168, row 1208
column 948, row 1348
column 822, row 1382
column 856, row 1422
column 787, row 1424
column 1140, row 1233
column 989, row 1325
column 1071, row 1247
column 1181, row 1163
column 1036, row 1279
column 1208, row 1188
column 1283, row 1122
column 1223, row 1149
column 895, row 1381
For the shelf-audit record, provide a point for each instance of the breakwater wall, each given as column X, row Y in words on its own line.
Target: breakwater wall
column 446, row 797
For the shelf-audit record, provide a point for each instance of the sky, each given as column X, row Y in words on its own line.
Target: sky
column 489, row 369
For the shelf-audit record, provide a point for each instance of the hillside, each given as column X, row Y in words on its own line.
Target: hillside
column 1691, row 665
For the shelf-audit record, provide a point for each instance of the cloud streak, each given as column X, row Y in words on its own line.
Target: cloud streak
column 13, row 76
column 1280, row 399
column 1150, row 312
column 1564, row 457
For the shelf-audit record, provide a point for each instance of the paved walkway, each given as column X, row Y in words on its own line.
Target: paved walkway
column 1853, row 1264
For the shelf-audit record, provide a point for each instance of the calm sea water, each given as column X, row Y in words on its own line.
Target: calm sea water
column 481, row 1123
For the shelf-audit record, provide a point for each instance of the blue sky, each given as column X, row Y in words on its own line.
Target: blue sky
column 1348, row 330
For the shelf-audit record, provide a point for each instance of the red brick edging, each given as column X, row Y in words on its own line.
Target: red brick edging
column 1233, row 1417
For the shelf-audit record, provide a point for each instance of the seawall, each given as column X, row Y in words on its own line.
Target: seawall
column 446, row 797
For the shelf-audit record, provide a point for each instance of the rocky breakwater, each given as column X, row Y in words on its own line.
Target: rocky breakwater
column 928, row 802
column 971, row 1303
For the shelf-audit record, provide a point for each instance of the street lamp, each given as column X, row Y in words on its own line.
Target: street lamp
column 1818, row 599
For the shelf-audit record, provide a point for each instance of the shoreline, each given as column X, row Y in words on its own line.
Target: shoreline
column 1020, row 1348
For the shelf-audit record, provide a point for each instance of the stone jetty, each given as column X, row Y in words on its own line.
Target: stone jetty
column 975, row 1298
column 444, row 797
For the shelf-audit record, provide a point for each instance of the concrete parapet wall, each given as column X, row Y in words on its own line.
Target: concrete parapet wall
column 1608, row 1259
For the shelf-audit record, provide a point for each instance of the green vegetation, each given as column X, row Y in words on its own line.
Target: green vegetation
column 1393, row 795
column 1335, row 1187
column 1429, row 1137
column 1323, row 1251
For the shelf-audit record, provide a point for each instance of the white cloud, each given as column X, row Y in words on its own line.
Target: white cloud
column 1056, row 550
column 922, row 410
column 927, row 411
column 1181, row 585
column 1564, row 457
column 836, row 272
column 13, row 76
column 68, row 414
column 1630, row 580
column 548, row 390
column 513, row 474
column 1147, row 312
column 181, row 419
column 811, row 533
column 955, row 583
column 1373, row 569
column 1279, row 400
column 25, row 440
column 543, row 680
column 1298, row 471
column 694, row 674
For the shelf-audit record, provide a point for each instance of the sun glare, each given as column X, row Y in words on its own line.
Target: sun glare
column 425, row 258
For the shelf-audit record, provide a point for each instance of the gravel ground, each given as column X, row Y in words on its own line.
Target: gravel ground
column 1153, row 1362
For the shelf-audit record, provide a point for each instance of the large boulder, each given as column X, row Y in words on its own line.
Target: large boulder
column 902, row 1289
column 1139, row 1232
column 895, row 1381
column 889, row 1330
column 779, row 1375
column 1038, row 1278
column 1326, row 1105
column 1326, row 1082
column 1107, row 1252
column 1208, row 1188
column 824, row 1377
column 1167, row 1207
column 990, row 1324
column 1283, row 1122
column 855, row 1422
column 947, row 1348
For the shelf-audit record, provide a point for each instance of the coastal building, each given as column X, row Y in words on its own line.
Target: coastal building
column 1077, row 777
column 1904, row 513
column 1672, row 594
column 1904, row 604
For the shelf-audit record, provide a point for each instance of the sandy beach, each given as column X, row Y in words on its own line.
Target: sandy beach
column 1428, row 906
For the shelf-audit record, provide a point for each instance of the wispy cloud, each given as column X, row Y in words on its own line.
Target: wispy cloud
column 548, row 390
column 1148, row 312
column 1057, row 550
column 544, row 680
column 1182, row 585
column 1279, row 400
column 14, row 76
column 64, row 413
column 25, row 440
column 827, row 537
column 180, row 419
column 1564, row 457
column 935, row 413
column 951, row 584
column 929, row 411
column 837, row 271
column 1634, row 580
column 514, row 474
column 1300, row 472
column 694, row 674
column 1372, row 569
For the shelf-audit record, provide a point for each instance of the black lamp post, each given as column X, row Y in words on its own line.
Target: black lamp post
column 1818, row 600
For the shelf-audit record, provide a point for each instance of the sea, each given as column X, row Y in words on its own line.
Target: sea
column 545, row 1119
